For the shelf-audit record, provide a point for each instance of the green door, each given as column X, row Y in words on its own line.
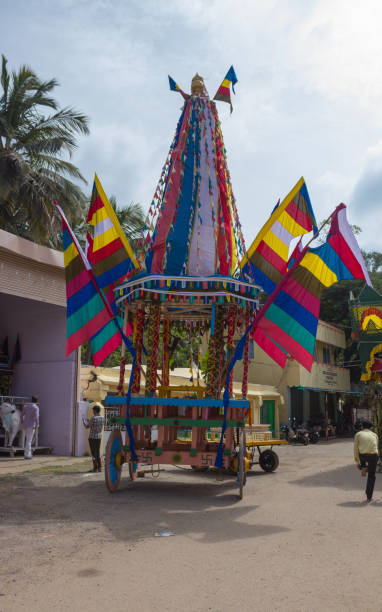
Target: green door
column 267, row 414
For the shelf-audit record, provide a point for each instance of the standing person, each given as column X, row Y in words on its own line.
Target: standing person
column 95, row 424
column 30, row 420
column 366, row 455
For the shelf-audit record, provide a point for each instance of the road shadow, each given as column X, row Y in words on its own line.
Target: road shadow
column 345, row 477
column 203, row 510
column 216, row 475
column 360, row 504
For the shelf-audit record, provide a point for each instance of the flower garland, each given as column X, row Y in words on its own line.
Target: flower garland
column 244, row 384
column 153, row 344
column 138, row 344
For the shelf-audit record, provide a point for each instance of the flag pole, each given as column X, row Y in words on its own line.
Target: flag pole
column 318, row 231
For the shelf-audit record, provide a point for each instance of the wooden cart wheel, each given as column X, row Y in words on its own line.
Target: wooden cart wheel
column 268, row 460
column 114, row 459
column 241, row 475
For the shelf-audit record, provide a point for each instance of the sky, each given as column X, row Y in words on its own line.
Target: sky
column 308, row 99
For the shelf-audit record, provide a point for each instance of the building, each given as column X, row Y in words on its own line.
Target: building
column 97, row 383
column 33, row 307
column 309, row 396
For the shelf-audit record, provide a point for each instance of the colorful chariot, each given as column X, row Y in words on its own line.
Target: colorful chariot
column 190, row 279
column 190, row 286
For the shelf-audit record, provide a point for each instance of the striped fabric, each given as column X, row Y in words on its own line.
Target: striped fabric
column 295, row 254
column 112, row 255
column 86, row 312
column 288, row 321
column 223, row 93
column 267, row 257
column 106, row 341
column 197, row 230
column 89, row 247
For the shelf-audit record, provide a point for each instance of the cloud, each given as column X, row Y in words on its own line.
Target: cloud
column 307, row 101
column 367, row 195
column 365, row 200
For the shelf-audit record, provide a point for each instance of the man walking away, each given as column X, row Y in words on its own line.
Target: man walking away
column 95, row 424
column 30, row 419
column 366, row 455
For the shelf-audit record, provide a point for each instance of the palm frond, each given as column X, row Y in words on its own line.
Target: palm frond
column 4, row 79
column 58, row 166
column 33, row 146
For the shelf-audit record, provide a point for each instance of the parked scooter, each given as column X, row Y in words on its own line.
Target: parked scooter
column 314, row 436
column 296, row 436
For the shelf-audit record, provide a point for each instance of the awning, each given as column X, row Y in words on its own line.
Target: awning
column 342, row 391
column 259, row 392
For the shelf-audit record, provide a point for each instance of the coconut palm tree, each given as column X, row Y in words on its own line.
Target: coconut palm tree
column 33, row 143
column 131, row 218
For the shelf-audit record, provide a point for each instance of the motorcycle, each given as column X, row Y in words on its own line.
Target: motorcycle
column 295, row 436
column 314, row 436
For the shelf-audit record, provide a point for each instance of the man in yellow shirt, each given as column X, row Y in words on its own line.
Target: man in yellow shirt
column 366, row 455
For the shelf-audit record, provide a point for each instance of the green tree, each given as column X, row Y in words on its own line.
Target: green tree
column 131, row 218
column 33, row 144
column 325, row 230
column 373, row 260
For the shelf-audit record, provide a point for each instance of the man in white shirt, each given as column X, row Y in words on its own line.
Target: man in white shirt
column 366, row 455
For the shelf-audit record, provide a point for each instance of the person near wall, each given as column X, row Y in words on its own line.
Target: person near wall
column 30, row 420
column 366, row 455
column 95, row 425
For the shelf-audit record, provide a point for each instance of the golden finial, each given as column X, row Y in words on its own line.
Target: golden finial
column 197, row 85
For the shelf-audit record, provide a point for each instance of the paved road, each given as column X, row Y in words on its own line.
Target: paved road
column 301, row 540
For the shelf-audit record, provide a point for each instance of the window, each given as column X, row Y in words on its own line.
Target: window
column 326, row 354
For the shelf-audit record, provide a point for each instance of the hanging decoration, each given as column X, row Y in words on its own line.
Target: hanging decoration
column 138, row 344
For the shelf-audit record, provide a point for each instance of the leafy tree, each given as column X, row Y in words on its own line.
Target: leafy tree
column 325, row 230
column 33, row 143
column 131, row 218
column 373, row 260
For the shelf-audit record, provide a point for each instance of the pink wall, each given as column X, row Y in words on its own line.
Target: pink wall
column 43, row 369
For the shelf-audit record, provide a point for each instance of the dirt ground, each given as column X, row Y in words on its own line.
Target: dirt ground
column 302, row 539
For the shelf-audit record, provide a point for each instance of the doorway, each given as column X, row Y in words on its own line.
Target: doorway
column 267, row 414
